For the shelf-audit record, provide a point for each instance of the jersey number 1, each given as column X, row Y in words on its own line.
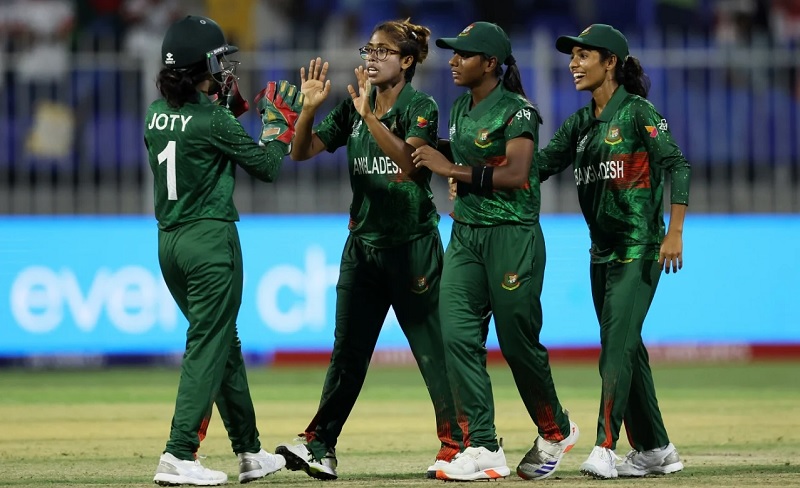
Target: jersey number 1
column 168, row 155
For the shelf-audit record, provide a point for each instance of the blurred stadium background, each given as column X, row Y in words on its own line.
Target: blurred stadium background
column 77, row 250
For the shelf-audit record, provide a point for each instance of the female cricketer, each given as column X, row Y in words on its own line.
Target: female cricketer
column 393, row 255
column 620, row 148
column 193, row 146
column 495, row 260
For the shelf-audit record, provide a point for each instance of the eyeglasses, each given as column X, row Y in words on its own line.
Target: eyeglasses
column 381, row 53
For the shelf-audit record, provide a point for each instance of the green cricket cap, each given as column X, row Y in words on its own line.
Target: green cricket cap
column 598, row 36
column 193, row 39
column 480, row 37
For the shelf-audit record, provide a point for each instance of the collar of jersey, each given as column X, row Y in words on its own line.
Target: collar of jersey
column 612, row 106
column 403, row 99
column 487, row 103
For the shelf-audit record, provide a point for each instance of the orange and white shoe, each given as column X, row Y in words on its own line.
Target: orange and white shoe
column 475, row 463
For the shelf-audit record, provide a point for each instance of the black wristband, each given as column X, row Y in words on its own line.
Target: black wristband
column 482, row 180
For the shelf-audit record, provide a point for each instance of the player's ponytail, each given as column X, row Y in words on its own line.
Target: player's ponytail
column 179, row 87
column 512, row 81
column 630, row 74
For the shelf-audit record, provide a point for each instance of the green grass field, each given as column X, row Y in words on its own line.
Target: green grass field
column 734, row 425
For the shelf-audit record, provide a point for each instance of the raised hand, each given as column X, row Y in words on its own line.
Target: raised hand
column 361, row 97
column 279, row 104
column 315, row 87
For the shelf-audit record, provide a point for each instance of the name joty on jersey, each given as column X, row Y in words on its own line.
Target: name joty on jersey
column 167, row 121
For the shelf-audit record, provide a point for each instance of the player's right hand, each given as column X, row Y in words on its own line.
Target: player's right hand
column 314, row 85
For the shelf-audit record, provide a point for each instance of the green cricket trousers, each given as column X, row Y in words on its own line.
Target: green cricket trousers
column 622, row 291
column 202, row 267
column 405, row 277
column 499, row 271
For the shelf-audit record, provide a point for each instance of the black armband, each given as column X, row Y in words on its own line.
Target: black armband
column 482, row 180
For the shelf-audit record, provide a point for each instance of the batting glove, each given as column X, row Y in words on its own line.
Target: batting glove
column 279, row 104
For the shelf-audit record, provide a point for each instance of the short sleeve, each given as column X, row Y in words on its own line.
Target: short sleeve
column 423, row 120
column 336, row 127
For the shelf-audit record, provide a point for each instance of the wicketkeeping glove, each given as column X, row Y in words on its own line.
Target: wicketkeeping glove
column 279, row 104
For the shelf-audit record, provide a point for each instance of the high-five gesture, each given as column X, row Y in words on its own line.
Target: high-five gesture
column 315, row 87
column 279, row 105
column 361, row 98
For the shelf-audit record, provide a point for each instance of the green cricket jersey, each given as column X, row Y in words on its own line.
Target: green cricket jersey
column 388, row 208
column 619, row 161
column 478, row 137
column 193, row 152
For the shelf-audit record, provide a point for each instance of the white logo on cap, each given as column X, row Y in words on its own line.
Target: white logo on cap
column 202, row 21
column 170, row 59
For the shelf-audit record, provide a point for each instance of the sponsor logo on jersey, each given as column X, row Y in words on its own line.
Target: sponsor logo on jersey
column 663, row 126
column 356, row 129
column 524, row 113
column 420, row 285
column 482, row 139
column 422, row 122
column 452, row 131
column 652, row 130
column 582, row 144
column 510, row 281
column 614, row 135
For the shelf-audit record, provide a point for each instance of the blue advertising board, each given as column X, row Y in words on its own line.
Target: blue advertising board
column 92, row 285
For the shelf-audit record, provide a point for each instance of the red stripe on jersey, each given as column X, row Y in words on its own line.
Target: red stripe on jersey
column 398, row 178
column 635, row 174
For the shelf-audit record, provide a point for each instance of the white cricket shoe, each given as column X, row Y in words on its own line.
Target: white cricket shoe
column 172, row 471
column 436, row 466
column 299, row 458
column 475, row 463
column 601, row 464
column 544, row 457
column 664, row 460
column 256, row 465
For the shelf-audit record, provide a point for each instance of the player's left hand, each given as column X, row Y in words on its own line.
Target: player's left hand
column 671, row 253
column 433, row 160
column 361, row 97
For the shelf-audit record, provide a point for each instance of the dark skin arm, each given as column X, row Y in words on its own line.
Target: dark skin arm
column 514, row 174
